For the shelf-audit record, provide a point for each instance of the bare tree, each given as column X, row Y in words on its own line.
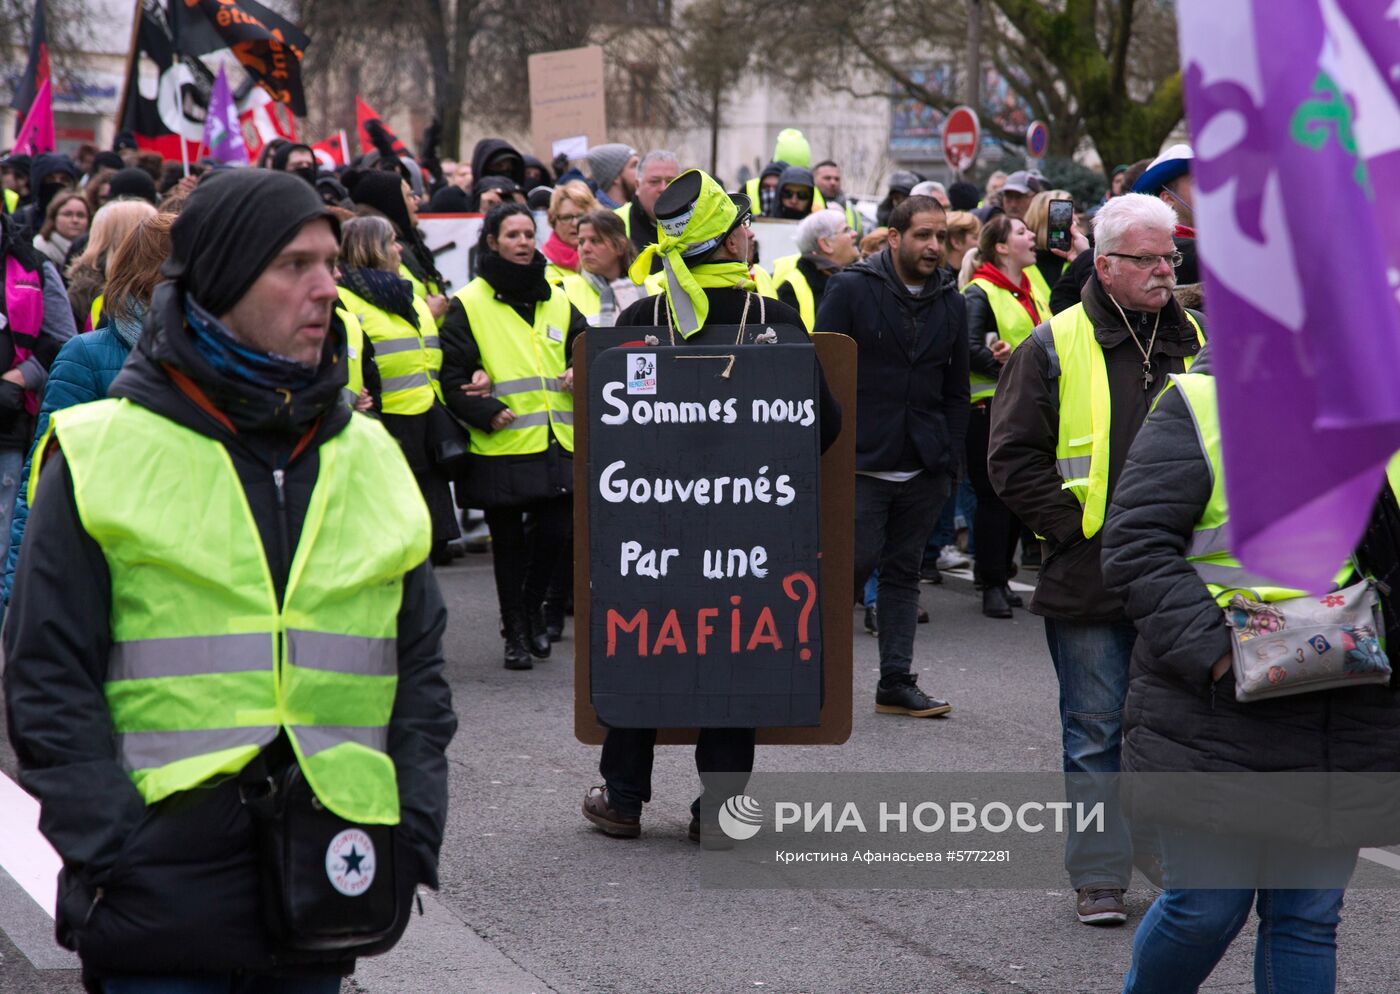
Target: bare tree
column 1104, row 69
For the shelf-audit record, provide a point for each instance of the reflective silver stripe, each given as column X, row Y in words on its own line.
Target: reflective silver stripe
column 1205, row 541
column 393, row 384
column 1074, row 467
column 1045, row 337
column 1234, row 577
column 148, row 750
column 353, row 654
column 393, row 345
column 434, row 374
column 148, row 659
column 319, row 738
column 432, row 342
column 687, row 321
column 564, row 417
column 536, row 420
column 526, row 385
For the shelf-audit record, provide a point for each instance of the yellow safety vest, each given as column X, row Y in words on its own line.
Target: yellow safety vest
column 581, row 294
column 783, row 265
column 625, row 212
column 1081, row 448
column 556, row 274
column 95, row 312
column 806, row 300
column 1039, row 285
column 1209, row 553
column 11, row 201
column 354, row 356
column 764, row 282
column 421, row 290
column 525, row 363
column 1014, row 325
column 206, row 668
column 409, row 358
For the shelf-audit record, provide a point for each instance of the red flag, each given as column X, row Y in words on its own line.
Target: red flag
column 36, row 70
column 332, row 152
column 264, row 121
column 36, row 134
column 364, row 114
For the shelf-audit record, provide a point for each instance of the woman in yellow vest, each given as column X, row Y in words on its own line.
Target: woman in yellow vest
column 1050, row 264
column 601, row 289
column 567, row 206
column 510, row 322
column 391, row 196
column 1003, row 308
column 402, row 338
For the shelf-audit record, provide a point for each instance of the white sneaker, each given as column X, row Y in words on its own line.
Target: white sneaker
column 950, row 557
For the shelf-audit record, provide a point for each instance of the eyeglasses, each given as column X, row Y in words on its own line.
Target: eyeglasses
column 1149, row 261
column 568, row 218
column 797, row 194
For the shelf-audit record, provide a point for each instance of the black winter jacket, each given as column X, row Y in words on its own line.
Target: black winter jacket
column 911, row 378
column 173, row 887
column 1176, row 720
column 1021, row 451
column 500, row 481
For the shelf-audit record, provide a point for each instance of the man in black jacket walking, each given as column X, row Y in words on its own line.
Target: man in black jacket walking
column 912, row 403
column 241, row 365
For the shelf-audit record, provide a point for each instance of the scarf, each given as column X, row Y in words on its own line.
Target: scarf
column 559, row 253
column 523, row 286
column 1022, row 293
column 127, row 326
column 607, row 300
column 232, row 358
column 386, row 291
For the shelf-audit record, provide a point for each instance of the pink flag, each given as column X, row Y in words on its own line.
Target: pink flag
column 36, row 135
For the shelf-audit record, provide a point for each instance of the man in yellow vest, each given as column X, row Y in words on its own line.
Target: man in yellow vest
column 827, row 245
column 238, row 565
column 1069, row 402
column 655, row 172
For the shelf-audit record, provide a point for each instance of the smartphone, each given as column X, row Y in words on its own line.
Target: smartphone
column 1061, row 217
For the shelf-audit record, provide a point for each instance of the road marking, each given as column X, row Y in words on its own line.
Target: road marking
column 1382, row 857
column 25, row 854
column 966, row 574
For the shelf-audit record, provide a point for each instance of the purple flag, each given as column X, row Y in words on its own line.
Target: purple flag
column 1296, row 125
column 223, row 135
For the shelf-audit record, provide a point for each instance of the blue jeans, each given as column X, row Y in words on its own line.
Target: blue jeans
column 893, row 523
column 1091, row 663
column 222, row 983
column 1186, row 932
column 11, row 471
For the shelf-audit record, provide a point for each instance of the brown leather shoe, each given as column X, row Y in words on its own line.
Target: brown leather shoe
column 1100, row 906
column 598, row 810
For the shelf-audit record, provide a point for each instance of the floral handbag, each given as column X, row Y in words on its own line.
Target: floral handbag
column 1302, row 644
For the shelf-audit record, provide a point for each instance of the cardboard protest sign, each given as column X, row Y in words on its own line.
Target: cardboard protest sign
column 567, row 99
column 705, row 531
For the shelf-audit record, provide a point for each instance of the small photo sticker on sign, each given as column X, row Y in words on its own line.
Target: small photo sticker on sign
column 641, row 373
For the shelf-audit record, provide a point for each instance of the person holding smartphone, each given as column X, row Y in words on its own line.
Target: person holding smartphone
column 1003, row 308
column 1058, row 240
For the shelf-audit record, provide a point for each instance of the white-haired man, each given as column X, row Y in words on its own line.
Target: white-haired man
column 654, row 173
column 1068, row 408
column 827, row 245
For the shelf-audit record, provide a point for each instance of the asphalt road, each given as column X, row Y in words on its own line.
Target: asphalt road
column 534, row 899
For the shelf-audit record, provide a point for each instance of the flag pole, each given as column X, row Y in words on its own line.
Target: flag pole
column 344, row 148
column 185, row 151
column 130, row 62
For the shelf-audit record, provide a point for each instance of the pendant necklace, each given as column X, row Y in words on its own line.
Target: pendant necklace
column 1147, row 378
